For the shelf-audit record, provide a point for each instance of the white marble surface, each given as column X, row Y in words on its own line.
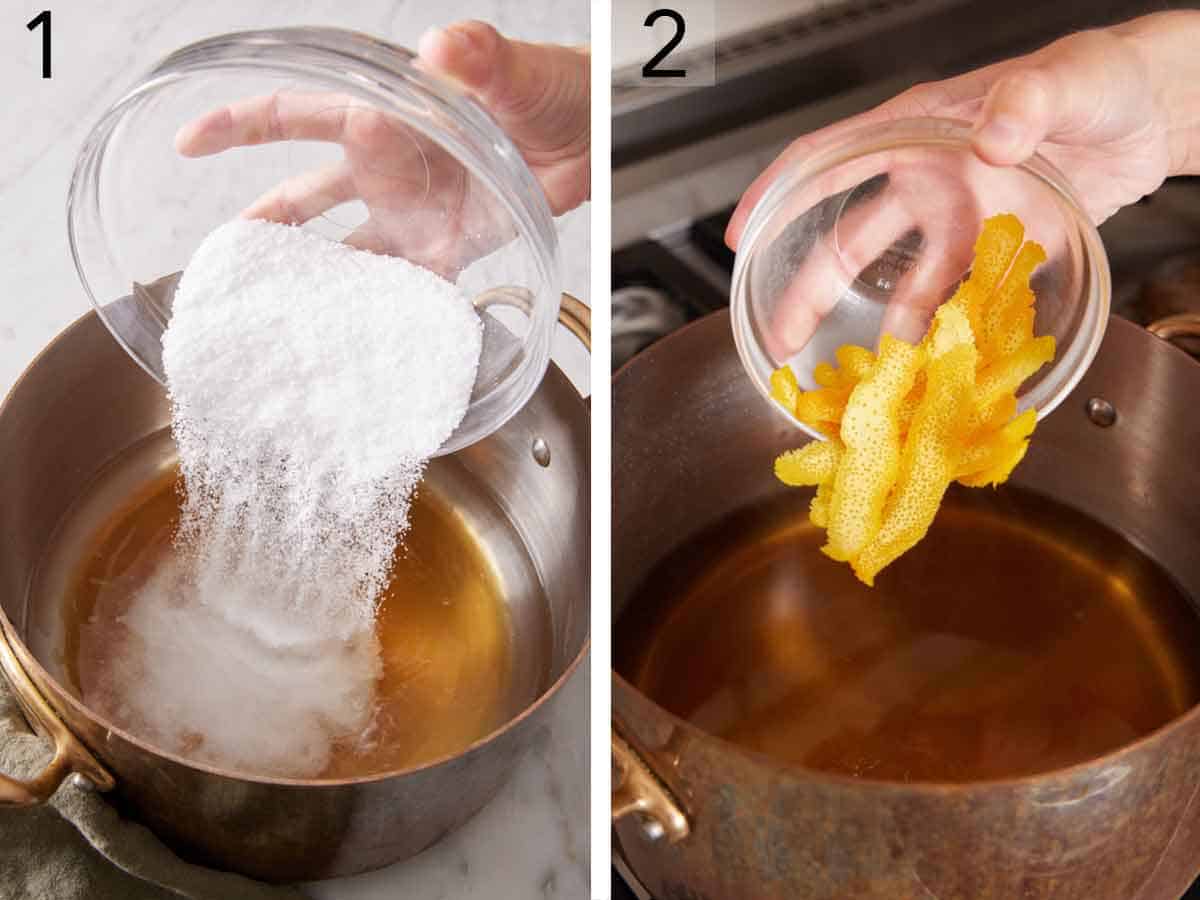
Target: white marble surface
column 532, row 842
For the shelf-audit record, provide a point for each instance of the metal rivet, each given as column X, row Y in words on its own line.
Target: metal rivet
column 541, row 452
column 1101, row 412
column 652, row 830
column 82, row 782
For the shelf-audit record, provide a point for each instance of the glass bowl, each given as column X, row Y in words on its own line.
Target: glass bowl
column 471, row 209
column 871, row 234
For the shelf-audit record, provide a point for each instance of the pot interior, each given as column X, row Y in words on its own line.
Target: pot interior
column 694, row 443
column 85, row 430
column 693, row 453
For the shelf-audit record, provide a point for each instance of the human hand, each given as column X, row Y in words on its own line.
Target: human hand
column 419, row 200
column 540, row 94
column 1115, row 109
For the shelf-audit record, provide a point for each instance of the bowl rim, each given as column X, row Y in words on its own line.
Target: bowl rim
column 932, row 132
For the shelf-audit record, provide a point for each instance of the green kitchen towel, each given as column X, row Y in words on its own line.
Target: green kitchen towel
column 78, row 848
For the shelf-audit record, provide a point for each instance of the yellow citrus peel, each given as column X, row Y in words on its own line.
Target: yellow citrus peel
column 904, row 424
column 870, row 430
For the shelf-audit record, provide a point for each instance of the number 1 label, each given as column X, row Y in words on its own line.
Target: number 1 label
column 42, row 20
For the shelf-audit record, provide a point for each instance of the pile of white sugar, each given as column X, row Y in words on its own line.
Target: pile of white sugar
column 309, row 383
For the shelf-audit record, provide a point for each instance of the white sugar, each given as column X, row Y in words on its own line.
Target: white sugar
column 348, row 360
column 186, row 676
column 309, row 382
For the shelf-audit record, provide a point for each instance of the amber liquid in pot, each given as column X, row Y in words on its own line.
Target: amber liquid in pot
column 443, row 629
column 1018, row 638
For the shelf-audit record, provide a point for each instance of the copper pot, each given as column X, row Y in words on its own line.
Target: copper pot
column 698, row 818
column 83, row 402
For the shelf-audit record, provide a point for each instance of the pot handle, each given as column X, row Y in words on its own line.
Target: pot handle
column 573, row 313
column 637, row 790
column 70, row 756
column 576, row 316
column 1172, row 327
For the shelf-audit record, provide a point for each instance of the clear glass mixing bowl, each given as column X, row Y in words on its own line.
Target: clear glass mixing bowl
column 872, row 233
column 468, row 208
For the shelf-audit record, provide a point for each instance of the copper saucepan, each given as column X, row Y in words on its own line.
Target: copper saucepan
column 80, row 405
column 698, row 818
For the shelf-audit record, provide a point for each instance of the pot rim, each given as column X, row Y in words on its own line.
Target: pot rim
column 39, row 673
column 1031, row 781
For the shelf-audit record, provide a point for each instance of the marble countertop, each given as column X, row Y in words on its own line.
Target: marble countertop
column 98, row 51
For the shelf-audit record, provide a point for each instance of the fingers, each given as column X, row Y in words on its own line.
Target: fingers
column 305, row 196
column 1086, row 89
column 853, row 176
column 951, row 99
column 737, row 222
column 1017, row 116
column 954, row 98
column 831, row 268
column 371, row 237
column 900, row 242
column 466, row 51
column 539, row 94
column 425, row 246
column 798, row 149
column 539, row 87
column 941, row 262
column 280, row 116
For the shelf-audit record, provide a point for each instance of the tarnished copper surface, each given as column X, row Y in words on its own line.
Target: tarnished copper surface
column 82, row 402
column 693, row 440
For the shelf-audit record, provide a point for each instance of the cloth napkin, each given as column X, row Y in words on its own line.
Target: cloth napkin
column 78, row 848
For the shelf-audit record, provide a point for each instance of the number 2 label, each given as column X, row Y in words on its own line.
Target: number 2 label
column 650, row 69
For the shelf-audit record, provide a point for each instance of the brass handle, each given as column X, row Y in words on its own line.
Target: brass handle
column 70, row 756
column 573, row 314
column 1172, row 327
column 637, row 790
column 576, row 316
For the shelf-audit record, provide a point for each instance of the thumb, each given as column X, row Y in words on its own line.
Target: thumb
column 538, row 93
column 1017, row 116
